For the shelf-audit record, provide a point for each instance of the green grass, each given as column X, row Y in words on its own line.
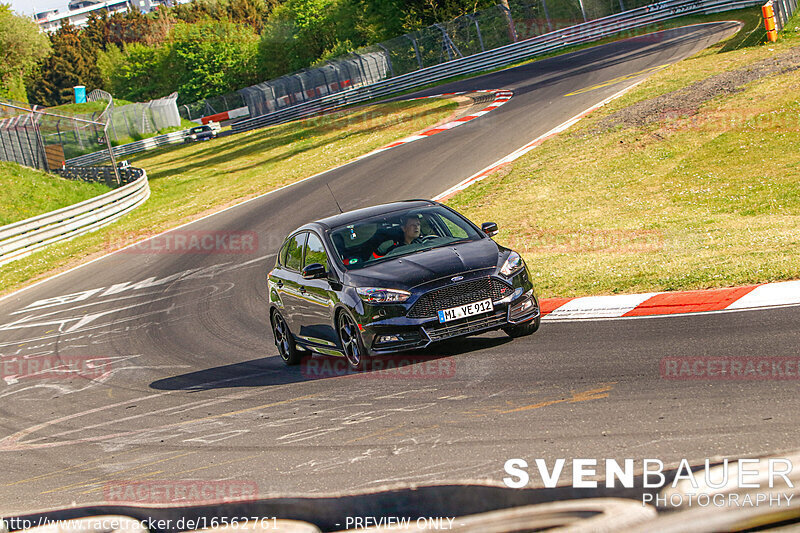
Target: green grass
column 642, row 193
column 710, row 200
column 86, row 108
column 99, row 106
column 25, row 192
column 752, row 33
column 185, row 124
column 189, row 181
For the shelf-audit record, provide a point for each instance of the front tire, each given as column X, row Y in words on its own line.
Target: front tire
column 522, row 330
column 350, row 340
column 284, row 341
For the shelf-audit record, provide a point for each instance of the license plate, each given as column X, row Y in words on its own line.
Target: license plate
column 462, row 311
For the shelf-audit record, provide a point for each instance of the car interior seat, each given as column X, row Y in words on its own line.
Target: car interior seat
column 384, row 239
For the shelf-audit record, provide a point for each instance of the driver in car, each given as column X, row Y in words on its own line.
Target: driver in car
column 411, row 231
column 411, row 235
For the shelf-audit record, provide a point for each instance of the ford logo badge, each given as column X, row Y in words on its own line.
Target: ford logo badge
column 457, row 278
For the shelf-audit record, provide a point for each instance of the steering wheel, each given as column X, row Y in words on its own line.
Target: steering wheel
column 426, row 238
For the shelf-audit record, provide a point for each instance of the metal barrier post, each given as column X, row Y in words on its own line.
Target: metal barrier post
column 583, row 11
column 111, row 156
column 478, row 29
column 388, row 58
column 39, row 140
column 512, row 29
column 547, row 15
column 416, row 49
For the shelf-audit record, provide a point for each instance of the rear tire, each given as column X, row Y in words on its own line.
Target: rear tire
column 522, row 330
column 350, row 340
column 284, row 340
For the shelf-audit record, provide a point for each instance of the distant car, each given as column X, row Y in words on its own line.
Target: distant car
column 200, row 133
column 394, row 277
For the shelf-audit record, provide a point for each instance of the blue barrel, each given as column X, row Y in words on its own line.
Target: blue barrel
column 80, row 94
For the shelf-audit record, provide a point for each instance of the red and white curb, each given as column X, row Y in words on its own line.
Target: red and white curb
column 516, row 154
column 767, row 295
column 500, row 98
column 763, row 296
column 647, row 304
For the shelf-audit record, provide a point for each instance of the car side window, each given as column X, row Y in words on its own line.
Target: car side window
column 315, row 251
column 454, row 229
column 293, row 250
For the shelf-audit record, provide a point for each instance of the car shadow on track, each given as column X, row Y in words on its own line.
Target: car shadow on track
column 434, row 362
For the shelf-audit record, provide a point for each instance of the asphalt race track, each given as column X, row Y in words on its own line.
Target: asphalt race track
column 189, row 384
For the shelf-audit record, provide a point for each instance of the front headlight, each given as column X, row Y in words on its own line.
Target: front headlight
column 375, row 295
column 513, row 264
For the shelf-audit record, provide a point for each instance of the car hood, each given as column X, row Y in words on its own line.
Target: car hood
column 407, row 272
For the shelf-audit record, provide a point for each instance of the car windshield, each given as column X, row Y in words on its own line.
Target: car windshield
column 200, row 129
column 399, row 233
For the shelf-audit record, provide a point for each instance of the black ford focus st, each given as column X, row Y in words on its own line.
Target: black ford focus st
column 394, row 277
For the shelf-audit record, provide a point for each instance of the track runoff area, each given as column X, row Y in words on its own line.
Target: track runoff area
column 148, row 373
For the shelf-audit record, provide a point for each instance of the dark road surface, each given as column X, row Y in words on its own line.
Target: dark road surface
column 195, row 389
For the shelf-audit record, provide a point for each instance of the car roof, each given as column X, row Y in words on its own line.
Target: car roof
column 353, row 216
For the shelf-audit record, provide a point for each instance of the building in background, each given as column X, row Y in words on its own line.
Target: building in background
column 78, row 11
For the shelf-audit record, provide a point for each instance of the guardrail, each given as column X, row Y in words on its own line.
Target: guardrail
column 579, row 34
column 21, row 238
column 130, row 148
column 498, row 57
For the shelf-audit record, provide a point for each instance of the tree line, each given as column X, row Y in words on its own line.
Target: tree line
column 202, row 48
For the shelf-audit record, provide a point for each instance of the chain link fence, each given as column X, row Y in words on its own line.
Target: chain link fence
column 39, row 138
column 464, row 36
column 135, row 121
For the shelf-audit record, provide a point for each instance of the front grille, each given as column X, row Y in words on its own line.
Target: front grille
column 466, row 326
column 457, row 294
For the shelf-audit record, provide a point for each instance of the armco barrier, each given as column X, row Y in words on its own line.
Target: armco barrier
column 582, row 33
column 131, row 148
column 21, row 238
column 498, row 57
column 104, row 175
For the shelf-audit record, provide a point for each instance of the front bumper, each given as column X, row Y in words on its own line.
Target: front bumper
column 401, row 334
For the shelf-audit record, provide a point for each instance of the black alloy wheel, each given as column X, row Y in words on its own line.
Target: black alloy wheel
column 284, row 340
column 350, row 339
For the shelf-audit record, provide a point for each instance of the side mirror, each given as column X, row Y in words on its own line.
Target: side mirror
column 489, row 228
column 314, row 271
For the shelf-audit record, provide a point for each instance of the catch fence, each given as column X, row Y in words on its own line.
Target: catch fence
column 133, row 121
column 39, row 138
column 440, row 43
